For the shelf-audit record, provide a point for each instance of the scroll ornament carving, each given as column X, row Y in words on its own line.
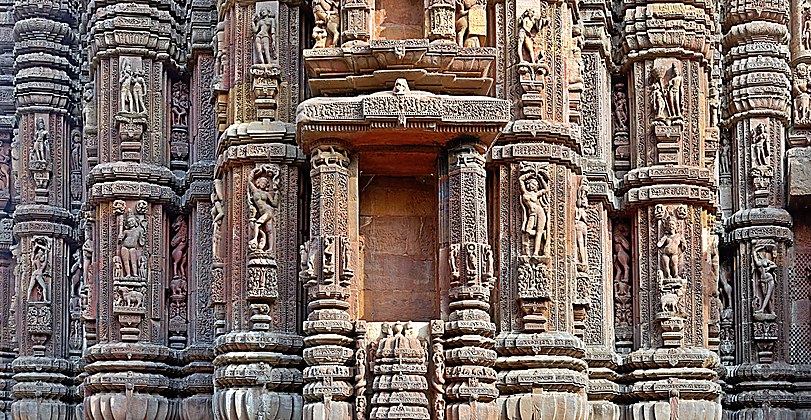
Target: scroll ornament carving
column 471, row 23
column 667, row 97
column 327, row 22
column 437, row 378
column 132, row 90
column 263, row 40
column 361, row 362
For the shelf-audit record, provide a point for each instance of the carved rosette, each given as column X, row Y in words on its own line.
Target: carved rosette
column 327, row 275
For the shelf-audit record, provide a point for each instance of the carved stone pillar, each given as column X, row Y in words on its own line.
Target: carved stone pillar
column 671, row 197
column 759, row 231
column 197, row 384
column 601, row 120
column 327, row 275
column 259, row 234
column 133, row 211
column 540, row 281
column 470, row 391
column 44, row 227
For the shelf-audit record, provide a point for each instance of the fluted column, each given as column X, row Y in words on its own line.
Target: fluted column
column 328, row 270
column 759, row 231
column 46, row 63
column 671, row 197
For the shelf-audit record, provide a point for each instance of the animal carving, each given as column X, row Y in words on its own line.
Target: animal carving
column 131, row 298
column 670, row 302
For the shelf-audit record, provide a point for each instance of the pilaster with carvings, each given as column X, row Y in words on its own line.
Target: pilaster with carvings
column 671, row 197
column 46, row 58
column 259, row 284
column 470, row 390
column 135, row 297
column 759, row 230
column 327, row 273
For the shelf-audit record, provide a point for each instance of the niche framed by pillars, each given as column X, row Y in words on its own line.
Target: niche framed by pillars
column 398, row 218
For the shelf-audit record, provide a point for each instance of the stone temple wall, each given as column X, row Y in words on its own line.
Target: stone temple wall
column 400, row 209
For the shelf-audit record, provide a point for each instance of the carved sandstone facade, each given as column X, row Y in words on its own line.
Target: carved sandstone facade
column 367, row 210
